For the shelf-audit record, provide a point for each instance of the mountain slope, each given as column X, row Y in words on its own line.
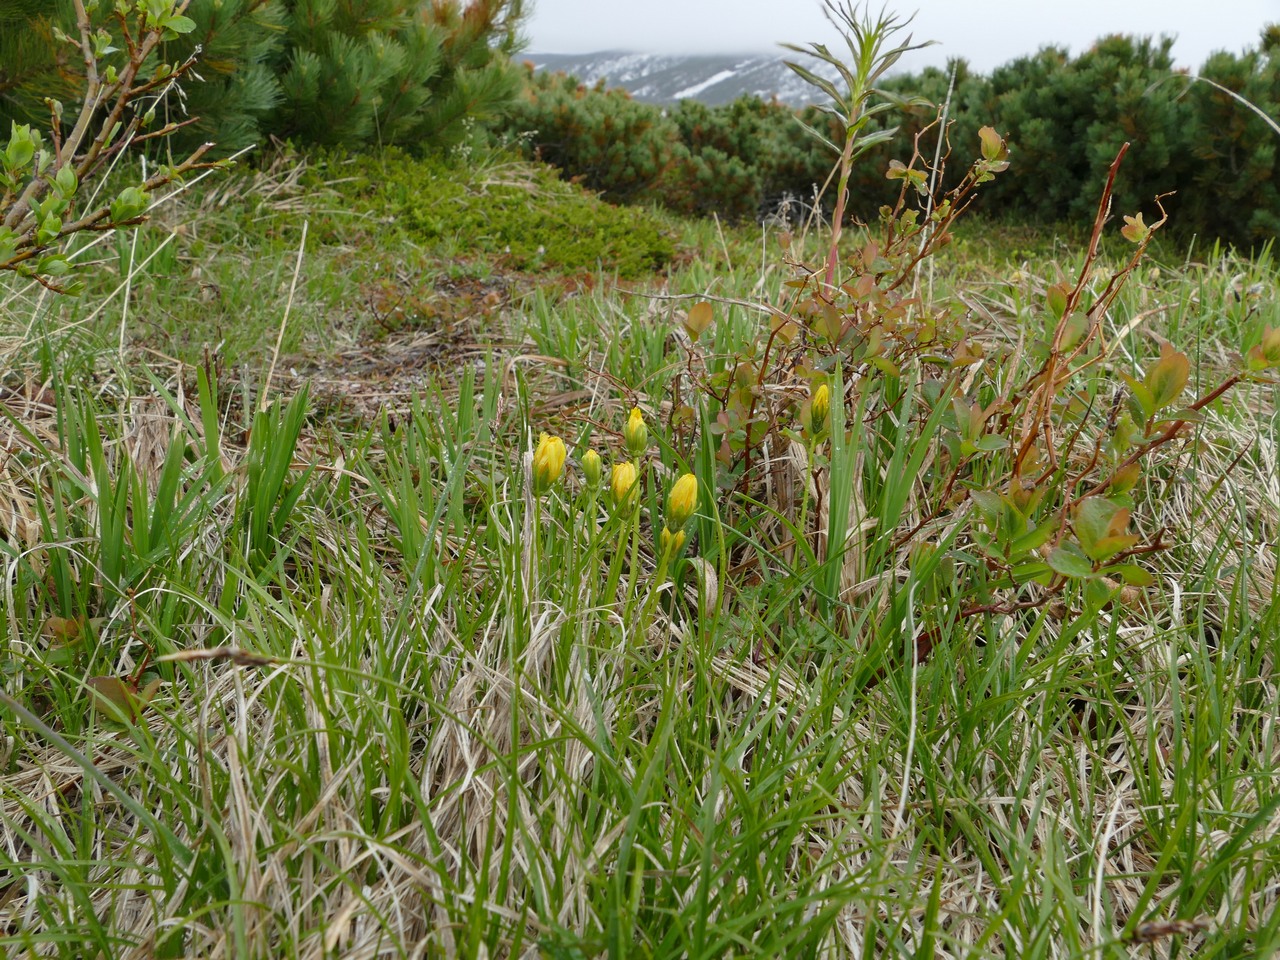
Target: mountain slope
column 711, row 78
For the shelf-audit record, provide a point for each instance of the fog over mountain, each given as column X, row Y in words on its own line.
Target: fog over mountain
column 710, row 78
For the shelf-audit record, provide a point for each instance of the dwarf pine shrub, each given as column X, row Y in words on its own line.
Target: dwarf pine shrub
column 351, row 73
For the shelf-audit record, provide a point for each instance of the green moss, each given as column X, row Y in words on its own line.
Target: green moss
column 518, row 213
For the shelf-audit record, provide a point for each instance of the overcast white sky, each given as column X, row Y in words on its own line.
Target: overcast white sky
column 987, row 32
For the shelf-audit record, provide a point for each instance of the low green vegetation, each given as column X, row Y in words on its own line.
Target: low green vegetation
column 426, row 558
column 510, row 214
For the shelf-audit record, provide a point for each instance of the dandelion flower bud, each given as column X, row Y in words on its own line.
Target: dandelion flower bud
column 548, row 462
column 591, row 468
column 682, row 501
column 819, row 410
column 669, row 543
column 625, row 485
column 635, row 433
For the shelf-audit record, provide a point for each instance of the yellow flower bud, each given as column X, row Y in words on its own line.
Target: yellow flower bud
column 591, row 467
column 682, row 501
column 635, row 433
column 624, row 482
column 669, row 543
column 819, row 410
column 548, row 462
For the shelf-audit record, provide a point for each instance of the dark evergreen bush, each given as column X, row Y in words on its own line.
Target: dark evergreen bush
column 351, row 72
column 394, row 71
column 623, row 149
column 1229, row 170
column 241, row 42
column 32, row 63
column 748, row 153
column 1065, row 119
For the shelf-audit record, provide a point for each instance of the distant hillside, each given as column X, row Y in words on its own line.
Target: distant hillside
column 712, row 79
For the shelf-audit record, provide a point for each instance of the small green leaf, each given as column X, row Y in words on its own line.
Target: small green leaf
column 1097, row 594
column 49, row 229
column 54, row 265
column 1027, row 572
column 112, row 696
column 1126, row 478
column 1185, row 414
column 1168, row 376
column 1131, row 574
column 1070, row 562
column 1106, row 548
column 1092, row 521
column 990, row 504
column 1145, row 401
column 22, row 145
column 885, row 365
column 1073, row 332
column 1056, row 298
column 66, row 181
column 1033, row 540
column 698, row 320
column 131, row 202
column 1270, row 346
column 993, row 145
column 828, row 323
column 1134, row 230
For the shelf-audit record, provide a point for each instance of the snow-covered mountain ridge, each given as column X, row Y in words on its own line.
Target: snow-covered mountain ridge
column 711, row 78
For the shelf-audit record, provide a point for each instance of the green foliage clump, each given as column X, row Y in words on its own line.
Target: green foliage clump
column 1067, row 118
column 626, row 150
column 518, row 213
column 692, row 159
column 32, row 64
column 1026, row 457
column 394, row 71
column 416, row 72
column 745, row 153
column 237, row 97
column 1230, row 164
